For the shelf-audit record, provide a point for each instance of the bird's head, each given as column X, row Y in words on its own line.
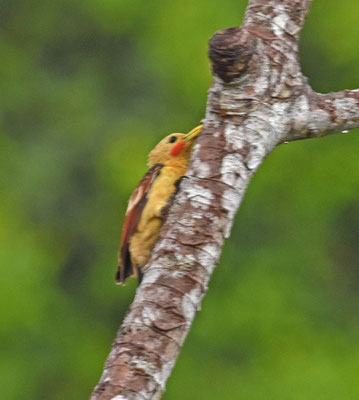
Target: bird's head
column 176, row 146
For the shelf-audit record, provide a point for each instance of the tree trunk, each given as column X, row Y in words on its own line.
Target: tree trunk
column 259, row 98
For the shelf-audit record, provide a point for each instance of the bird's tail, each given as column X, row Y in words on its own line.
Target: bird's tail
column 118, row 278
column 121, row 277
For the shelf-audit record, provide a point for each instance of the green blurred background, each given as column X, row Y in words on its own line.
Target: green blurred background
column 87, row 89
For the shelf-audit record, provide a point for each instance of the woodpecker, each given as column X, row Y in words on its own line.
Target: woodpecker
column 149, row 202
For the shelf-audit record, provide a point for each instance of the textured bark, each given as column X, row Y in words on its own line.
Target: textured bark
column 259, row 98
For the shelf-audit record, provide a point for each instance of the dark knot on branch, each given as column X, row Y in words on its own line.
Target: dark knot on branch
column 230, row 51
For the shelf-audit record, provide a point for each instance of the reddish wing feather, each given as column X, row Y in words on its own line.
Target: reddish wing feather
column 134, row 210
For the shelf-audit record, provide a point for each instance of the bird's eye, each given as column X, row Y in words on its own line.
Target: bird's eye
column 172, row 139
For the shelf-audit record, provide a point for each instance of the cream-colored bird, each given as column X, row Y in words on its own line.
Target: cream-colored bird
column 149, row 202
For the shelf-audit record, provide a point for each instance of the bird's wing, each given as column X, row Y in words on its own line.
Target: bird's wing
column 135, row 207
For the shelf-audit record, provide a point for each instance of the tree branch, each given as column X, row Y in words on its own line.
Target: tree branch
column 259, row 99
column 323, row 114
column 283, row 17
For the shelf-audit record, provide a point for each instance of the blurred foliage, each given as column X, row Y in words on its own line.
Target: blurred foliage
column 87, row 89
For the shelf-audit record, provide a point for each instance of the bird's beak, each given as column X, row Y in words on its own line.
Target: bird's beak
column 193, row 134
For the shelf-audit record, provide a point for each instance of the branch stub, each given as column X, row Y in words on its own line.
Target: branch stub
column 230, row 51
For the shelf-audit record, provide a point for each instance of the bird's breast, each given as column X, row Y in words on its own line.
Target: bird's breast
column 162, row 189
column 150, row 223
